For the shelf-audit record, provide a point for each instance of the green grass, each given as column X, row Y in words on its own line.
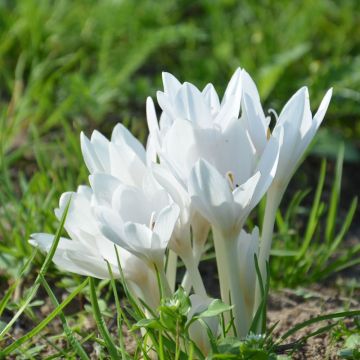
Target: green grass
column 67, row 66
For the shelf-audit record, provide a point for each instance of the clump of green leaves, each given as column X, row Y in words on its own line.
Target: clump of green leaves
column 314, row 253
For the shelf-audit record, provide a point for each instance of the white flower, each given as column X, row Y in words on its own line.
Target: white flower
column 139, row 223
column 299, row 129
column 123, row 157
column 132, row 209
column 87, row 252
column 185, row 101
column 226, row 198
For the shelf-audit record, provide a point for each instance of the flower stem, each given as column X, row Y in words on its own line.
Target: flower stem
column 221, row 260
column 273, row 199
column 171, row 269
column 194, row 275
column 242, row 318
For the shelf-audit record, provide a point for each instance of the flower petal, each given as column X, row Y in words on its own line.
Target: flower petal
column 91, row 158
column 268, row 166
column 165, row 222
column 121, row 135
column 171, row 84
column 191, row 106
column 211, row 98
column 104, row 186
column 211, row 195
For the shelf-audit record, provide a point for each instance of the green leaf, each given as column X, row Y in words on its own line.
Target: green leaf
column 215, row 308
column 101, row 323
column 148, row 323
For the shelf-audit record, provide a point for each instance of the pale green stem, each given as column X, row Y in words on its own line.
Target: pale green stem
column 200, row 235
column 164, row 281
column 221, row 260
column 194, row 275
column 242, row 318
column 273, row 199
column 197, row 253
column 171, row 269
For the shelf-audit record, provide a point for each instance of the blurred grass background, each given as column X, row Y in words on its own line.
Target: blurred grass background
column 67, row 66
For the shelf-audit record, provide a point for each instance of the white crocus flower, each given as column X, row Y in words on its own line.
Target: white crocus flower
column 299, row 127
column 220, row 191
column 121, row 181
column 204, row 110
column 87, row 252
column 211, row 154
column 124, row 157
column 185, row 101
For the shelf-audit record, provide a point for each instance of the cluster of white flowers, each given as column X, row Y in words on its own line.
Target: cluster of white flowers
column 206, row 165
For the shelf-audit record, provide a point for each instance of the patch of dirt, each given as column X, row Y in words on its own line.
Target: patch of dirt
column 290, row 308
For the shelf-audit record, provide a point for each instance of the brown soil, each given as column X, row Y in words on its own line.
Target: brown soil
column 289, row 308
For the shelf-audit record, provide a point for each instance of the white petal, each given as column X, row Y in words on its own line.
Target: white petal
column 167, row 106
column 131, row 204
column 44, row 242
column 190, row 105
column 89, row 154
column 101, row 146
column 111, row 225
column 138, row 236
column 180, row 136
column 319, row 116
column 165, row 222
column 72, row 256
column 245, row 192
column 104, row 186
column 211, row 98
column 126, row 164
column 122, row 135
column 142, row 242
column 151, row 117
column 211, row 195
column 172, row 186
column 234, row 87
column 85, row 191
column 253, row 113
column 171, row 84
column 230, row 105
column 84, row 264
column 151, row 150
column 234, row 152
column 268, row 166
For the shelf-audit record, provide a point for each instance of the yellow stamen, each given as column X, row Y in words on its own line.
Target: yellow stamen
column 268, row 133
column 152, row 221
column 230, row 177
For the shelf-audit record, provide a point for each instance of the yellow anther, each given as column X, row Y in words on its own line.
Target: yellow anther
column 152, row 221
column 230, row 177
column 268, row 133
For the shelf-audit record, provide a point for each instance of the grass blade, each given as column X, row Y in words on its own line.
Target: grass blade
column 42, row 272
column 44, row 322
column 68, row 332
column 335, row 195
column 101, row 323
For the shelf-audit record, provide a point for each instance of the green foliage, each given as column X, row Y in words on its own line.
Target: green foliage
column 310, row 255
column 252, row 347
